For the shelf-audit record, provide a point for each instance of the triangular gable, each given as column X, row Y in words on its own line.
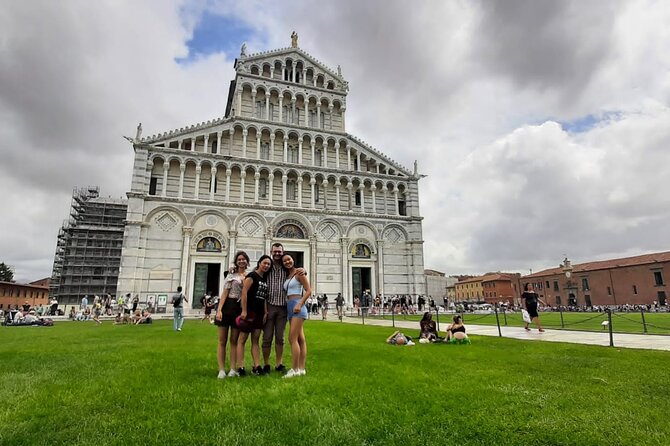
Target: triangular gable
column 269, row 56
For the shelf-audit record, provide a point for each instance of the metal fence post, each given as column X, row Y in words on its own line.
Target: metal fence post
column 560, row 309
column 505, row 315
column 609, row 319
column 437, row 316
column 498, row 321
column 644, row 321
column 393, row 317
column 363, row 315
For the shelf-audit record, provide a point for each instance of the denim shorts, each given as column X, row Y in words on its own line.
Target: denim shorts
column 291, row 305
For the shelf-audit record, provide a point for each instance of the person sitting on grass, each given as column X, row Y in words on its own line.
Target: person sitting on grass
column 428, row 328
column 145, row 318
column 398, row 338
column 456, row 332
column 137, row 315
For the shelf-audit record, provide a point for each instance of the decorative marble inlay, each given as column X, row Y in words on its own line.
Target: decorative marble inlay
column 250, row 225
column 211, row 220
column 328, row 232
column 394, row 236
column 166, row 221
column 361, row 230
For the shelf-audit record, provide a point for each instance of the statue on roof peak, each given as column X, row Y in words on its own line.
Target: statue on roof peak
column 294, row 39
column 243, row 50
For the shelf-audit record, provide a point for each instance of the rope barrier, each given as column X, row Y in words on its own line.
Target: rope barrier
column 638, row 322
column 585, row 320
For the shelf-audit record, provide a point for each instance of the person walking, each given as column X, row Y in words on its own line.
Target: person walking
column 531, row 298
column 339, row 305
column 253, row 301
column 323, row 300
column 178, row 300
column 228, row 309
column 298, row 291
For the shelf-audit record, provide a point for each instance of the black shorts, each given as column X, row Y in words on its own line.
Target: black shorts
column 532, row 309
column 231, row 309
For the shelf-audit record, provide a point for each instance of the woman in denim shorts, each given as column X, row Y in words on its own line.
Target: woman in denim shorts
column 298, row 291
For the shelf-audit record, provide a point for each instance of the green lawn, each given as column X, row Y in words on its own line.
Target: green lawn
column 76, row 384
column 657, row 323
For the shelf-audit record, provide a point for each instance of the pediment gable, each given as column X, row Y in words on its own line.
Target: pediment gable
column 371, row 152
column 286, row 53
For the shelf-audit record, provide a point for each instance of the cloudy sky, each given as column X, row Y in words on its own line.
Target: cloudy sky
column 543, row 126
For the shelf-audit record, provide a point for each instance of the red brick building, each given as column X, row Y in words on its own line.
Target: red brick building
column 491, row 288
column 501, row 287
column 35, row 293
column 631, row 280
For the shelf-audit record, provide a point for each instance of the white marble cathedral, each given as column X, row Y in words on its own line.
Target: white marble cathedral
column 279, row 166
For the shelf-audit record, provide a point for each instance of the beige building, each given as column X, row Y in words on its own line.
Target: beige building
column 278, row 166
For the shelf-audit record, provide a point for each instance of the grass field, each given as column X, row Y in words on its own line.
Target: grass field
column 78, row 384
column 657, row 323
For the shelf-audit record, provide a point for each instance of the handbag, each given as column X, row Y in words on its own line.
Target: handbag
column 526, row 316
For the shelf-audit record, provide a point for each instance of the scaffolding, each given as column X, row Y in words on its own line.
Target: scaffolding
column 88, row 248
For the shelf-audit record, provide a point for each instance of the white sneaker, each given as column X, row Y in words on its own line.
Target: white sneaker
column 292, row 373
column 302, row 372
column 233, row 373
column 222, row 374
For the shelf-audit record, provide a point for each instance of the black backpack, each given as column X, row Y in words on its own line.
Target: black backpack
column 176, row 301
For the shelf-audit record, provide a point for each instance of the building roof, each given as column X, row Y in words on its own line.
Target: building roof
column 490, row 277
column 645, row 259
column 432, row 272
column 28, row 285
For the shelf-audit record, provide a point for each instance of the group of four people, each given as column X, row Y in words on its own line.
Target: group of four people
column 263, row 301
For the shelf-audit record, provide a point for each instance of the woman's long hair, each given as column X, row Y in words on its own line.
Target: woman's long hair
column 426, row 317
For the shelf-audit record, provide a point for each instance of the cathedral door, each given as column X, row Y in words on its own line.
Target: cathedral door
column 206, row 279
column 360, row 282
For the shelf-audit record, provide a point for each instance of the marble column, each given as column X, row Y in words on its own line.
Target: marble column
column 384, row 190
column 395, row 201
column 258, row 146
column 228, row 173
column 284, row 178
column 192, row 144
column 271, row 179
column 299, row 192
column 257, row 177
column 313, row 144
column 358, row 161
column 324, row 183
column 373, row 188
column 361, row 190
column 285, row 149
column 306, row 123
column 166, row 168
column 211, row 183
column 325, row 155
column 232, row 249
column 186, row 242
column 206, row 148
column 219, row 135
column 344, row 253
column 272, row 146
column 281, row 109
column 238, row 110
column 253, row 105
column 267, row 106
column 337, row 155
column 198, row 170
column 348, row 158
column 337, row 195
column 245, row 132
column 243, row 175
column 350, row 187
column 312, row 184
column 380, row 266
column 182, row 169
column 231, row 133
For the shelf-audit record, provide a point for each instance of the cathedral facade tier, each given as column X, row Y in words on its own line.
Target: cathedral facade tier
column 278, row 167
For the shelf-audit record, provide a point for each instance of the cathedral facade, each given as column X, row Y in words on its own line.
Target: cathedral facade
column 278, row 167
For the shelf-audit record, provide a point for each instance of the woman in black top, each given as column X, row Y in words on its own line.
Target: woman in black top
column 428, row 327
column 531, row 298
column 254, row 311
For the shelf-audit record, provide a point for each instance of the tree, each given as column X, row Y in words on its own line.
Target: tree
column 6, row 273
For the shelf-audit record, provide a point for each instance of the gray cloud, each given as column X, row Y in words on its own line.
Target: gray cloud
column 463, row 87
